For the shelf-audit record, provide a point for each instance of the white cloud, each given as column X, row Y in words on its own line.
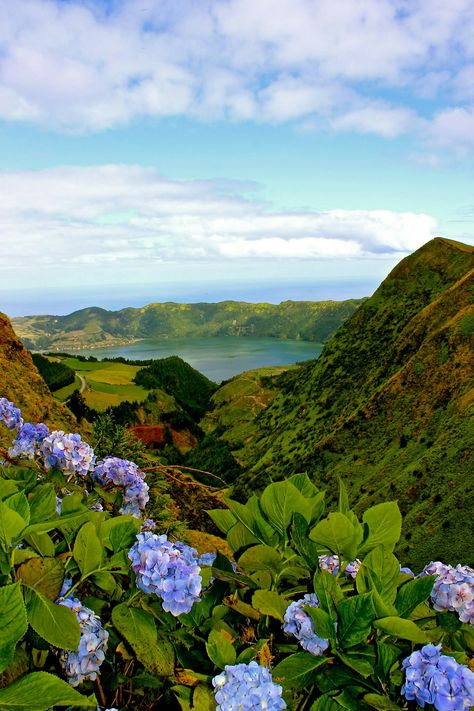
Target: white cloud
column 77, row 66
column 115, row 219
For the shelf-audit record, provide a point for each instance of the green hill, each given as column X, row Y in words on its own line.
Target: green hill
column 388, row 405
column 307, row 320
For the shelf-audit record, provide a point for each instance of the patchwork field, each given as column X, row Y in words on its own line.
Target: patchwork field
column 102, row 384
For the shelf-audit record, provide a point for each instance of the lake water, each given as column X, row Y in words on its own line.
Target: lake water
column 218, row 358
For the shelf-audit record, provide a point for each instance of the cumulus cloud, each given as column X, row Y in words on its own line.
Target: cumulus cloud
column 89, row 66
column 115, row 218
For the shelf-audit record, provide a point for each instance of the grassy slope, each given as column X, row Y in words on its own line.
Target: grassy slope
column 21, row 383
column 314, row 321
column 388, row 405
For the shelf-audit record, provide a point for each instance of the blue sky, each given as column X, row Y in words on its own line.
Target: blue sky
column 232, row 147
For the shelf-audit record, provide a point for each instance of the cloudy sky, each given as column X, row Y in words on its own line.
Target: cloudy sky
column 202, row 147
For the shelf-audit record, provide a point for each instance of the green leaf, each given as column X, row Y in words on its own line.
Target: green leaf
column 220, row 650
column 42, row 542
column 360, row 663
column 325, row 703
column 384, row 522
column 11, row 525
column 223, row 519
column 41, row 691
column 87, row 549
column 383, row 703
column 304, row 485
column 105, row 581
column 403, row 629
column 7, row 488
column 279, row 501
column 356, row 615
column 139, row 629
column 299, row 538
column 57, row 624
column 43, row 574
column 344, row 506
column 13, row 622
column 245, row 515
column 328, row 591
column 338, row 534
column 297, row 670
column 383, row 571
column 43, row 503
column 261, row 557
column 19, row 503
column 413, row 593
column 70, row 521
column 387, row 654
column 240, row 537
column 270, row 603
column 203, row 699
column 322, row 623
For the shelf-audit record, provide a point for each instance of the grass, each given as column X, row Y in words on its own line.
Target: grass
column 107, row 383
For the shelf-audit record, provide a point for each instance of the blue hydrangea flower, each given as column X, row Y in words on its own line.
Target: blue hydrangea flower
column 59, row 502
column 298, row 623
column 330, row 563
column 28, row 440
column 168, row 570
column 84, row 664
column 68, row 453
column 453, row 589
column 433, row 678
column 9, row 414
column 247, row 687
column 207, row 559
column 113, row 471
column 148, row 525
column 407, row 571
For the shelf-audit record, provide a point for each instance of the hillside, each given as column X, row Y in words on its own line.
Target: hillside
column 388, row 405
column 21, row 382
column 93, row 327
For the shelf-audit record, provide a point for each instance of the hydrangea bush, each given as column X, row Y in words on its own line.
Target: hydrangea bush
column 311, row 611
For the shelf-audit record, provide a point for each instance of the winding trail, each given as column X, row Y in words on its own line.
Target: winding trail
column 83, row 382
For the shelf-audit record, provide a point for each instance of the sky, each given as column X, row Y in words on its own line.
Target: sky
column 252, row 149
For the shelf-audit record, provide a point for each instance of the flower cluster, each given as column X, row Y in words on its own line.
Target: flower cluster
column 453, row 589
column 247, row 687
column 433, row 678
column 298, row 623
column 169, row 570
column 113, row 471
column 85, row 663
column 68, row 453
column 28, row 440
column 407, row 571
column 9, row 414
column 330, row 563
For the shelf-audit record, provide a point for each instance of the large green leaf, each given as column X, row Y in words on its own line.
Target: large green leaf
column 380, row 570
column 41, row 691
column 244, row 514
column 413, row 593
column 279, row 501
column 328, row 591
column 356, row 615
column 383, row 703
column 139, row 629
column 240, row 537
column 223, row 519
column 87, row 550
column 19, row 503
column 11, row 525
column 304, row 485
column 120, row 532
column 13, row 622
column 57, row 624
column 69, row 521
column 220, row 650
column 384, row 522
column 338, row 534
column 261, row 557
column 322, row 623
column 269, row 602
column 43, row 574
column 43, row 503
column 299, row 537
column 297, row 670
column 403, row 629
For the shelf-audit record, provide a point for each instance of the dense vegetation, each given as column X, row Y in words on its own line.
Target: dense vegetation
column 312, row 321
column 55, row 374
column 191, row 389
column 387, row 406
column 310, row 611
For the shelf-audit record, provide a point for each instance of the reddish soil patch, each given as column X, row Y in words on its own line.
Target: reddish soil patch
column 155, row 436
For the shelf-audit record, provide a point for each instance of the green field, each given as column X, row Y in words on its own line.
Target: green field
column 106, row 383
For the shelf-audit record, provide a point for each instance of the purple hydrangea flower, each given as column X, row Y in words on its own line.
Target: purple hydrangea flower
column 298, row 623
column 10, row 415
column 407, row 571
column 113, row 471
column 453, row 589
column 68, row 453
column 148, row 525
column 85, row 663
column 59, row 502
column 433, row 678
column 330, row 563
column 207, row 559
column 168, row 570
column 28, row 440
column 247, row 687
